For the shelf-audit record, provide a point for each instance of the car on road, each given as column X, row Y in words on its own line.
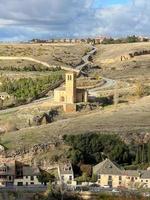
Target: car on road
column 106, row 186
column 95, row 188
column 115, row 190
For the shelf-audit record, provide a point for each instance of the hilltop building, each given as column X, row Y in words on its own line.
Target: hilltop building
column 69, row 94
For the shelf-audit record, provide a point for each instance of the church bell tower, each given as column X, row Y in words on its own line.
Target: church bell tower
column 70, row 87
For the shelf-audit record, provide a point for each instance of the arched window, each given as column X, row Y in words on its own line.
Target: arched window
column 69, row 77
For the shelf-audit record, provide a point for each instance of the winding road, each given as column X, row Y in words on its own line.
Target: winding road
column 108, row 83
column 92, row 92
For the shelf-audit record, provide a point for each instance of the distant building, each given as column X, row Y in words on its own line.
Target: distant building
column 69, row 94
column 109, row 174
column 143, row 39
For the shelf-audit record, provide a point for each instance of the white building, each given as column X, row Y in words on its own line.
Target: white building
column 27, row 176
column 65, row 173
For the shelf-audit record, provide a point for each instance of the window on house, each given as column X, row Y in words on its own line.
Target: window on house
column 120, row 178
column 110, row 183
column 26, row 183
column 26, row 176
column 146, row 181
column 110, row 178
column 32, row 183
column 20, row 184
column 70, row 178
column 32, row 178
column 9, row 177
column 99, row 176
column 132, row 179
column 141, row 180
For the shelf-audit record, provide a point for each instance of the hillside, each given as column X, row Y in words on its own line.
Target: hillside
column 53, row 54
column 108, row 58
column 127, row 118
column 131, row 116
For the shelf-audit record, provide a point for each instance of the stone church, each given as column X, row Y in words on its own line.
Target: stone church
column 69, row 94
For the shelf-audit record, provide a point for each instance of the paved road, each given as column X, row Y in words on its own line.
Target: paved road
column 85, row 59
column 108, row 83
column 39, row 188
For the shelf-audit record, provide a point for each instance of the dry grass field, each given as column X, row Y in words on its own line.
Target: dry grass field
column 129, row 117
column 133, row 118
column 53, row 54
column 135, row 68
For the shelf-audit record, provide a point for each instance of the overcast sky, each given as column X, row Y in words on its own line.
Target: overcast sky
column 27, row 19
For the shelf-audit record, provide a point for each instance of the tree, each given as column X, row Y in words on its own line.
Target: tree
column 46, row 177
column 89, row 148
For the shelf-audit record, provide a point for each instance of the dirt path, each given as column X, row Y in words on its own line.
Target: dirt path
column 36, row 61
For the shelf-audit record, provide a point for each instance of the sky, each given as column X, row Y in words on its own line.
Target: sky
column 26, row 19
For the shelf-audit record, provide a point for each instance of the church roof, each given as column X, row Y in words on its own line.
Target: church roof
column 61, row 88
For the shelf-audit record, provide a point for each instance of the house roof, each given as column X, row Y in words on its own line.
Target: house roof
column 145, row 174
column 60, row 88
column 10, row 168
column 132, row 173
column 30, row 171
column 107, row 167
